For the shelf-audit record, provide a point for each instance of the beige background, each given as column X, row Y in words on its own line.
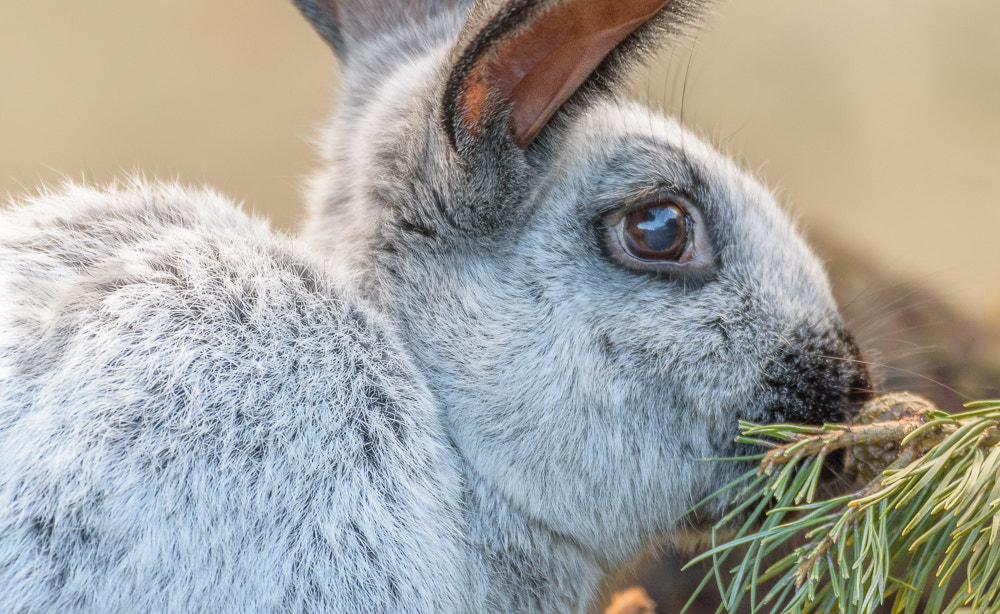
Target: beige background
column 879, row 120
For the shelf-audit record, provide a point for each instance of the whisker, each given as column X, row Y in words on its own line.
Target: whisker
column 874, row 289
column 891, row 309
column 886, row 311
column 899, row 369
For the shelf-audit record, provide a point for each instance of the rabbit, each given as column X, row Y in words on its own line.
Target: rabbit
column 522, row 316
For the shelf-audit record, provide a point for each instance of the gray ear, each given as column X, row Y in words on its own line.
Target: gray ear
column 520, row 60
column 323, row 14
column 342, row 22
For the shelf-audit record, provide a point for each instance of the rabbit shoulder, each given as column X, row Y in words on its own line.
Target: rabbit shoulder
column 195, row 417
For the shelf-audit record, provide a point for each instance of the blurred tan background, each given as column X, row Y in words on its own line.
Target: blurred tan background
column 878, row 121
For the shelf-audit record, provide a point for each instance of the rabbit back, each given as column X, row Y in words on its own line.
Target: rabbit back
column 195, row 417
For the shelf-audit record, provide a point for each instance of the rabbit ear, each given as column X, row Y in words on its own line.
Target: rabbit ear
column 324, row 16
column 531, row 56
column 341, row 22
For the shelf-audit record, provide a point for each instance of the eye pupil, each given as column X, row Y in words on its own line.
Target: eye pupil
column 656, row 232
column 660, row 228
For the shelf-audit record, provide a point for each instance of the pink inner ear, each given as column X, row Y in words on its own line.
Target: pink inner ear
column 541, row 67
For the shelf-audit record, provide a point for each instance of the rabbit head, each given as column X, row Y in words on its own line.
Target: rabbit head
column 594, row 294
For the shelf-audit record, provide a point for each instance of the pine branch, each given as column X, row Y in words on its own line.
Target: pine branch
column 926, row 516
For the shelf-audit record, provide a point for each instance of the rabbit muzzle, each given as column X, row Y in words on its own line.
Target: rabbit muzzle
column 816, row 377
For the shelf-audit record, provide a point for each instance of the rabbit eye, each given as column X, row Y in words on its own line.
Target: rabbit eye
column 655, row 232
column 664, row 235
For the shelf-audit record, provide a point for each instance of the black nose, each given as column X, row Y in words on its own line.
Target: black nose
column 817, row 376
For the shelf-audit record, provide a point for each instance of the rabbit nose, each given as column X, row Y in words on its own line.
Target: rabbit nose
column 818, row 376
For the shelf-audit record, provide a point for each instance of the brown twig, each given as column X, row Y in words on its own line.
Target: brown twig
column 845, row 436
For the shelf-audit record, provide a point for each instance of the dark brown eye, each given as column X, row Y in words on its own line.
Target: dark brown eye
column 657, row 231
column 665, row 235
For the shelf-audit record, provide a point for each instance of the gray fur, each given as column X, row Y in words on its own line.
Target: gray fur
column 447, row 397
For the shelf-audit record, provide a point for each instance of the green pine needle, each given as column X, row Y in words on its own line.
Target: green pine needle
column 925, row 526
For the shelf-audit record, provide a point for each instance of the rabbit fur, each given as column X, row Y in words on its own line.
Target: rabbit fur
column 447, row 395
